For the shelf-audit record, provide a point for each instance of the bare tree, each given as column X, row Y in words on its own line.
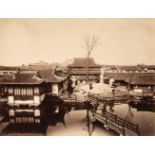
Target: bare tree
column 90, row 43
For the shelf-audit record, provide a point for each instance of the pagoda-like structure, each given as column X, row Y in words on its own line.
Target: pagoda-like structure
column 83, row 69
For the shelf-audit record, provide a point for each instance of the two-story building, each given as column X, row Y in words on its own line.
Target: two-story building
column 32, row 95
column 83, row 69
column 25, row 97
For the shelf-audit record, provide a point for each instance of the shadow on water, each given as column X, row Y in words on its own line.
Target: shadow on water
column 139, row 112
column 24, row 129
column 32, row 129
column 133, row 111
column 143, row 106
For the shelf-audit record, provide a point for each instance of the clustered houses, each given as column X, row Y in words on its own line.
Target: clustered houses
column 82, row 67
column 120, row 79
column 31, row 95
column 140, row 79
column 143, row 84
column 34, row 94
column 7, row 70
column 130, row 69
column 140, row 83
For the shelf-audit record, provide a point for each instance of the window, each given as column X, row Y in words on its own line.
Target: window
column 29, row 91
column 23, row 91
column 10, row 90
column 17, row 91
column 36, row 90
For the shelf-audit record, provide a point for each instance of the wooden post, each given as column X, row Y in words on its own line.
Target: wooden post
column 88, row 123
column 123, row 131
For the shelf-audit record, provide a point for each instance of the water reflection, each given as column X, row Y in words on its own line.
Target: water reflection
column 141, row 113
column 32, row 129
column 143, row 106
column 24, row 129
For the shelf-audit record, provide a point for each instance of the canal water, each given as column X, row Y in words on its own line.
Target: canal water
column 142, row 113
column 75, row 125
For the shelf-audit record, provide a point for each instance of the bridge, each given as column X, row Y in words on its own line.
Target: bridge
column 113, row 122
column 109, row 120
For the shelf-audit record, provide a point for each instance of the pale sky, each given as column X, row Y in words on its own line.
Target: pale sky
column 122, row 41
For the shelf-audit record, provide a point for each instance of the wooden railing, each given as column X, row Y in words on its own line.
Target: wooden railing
column 116, row 123
column 25, row 97
column 73, row 99
column 94, row 100
column 122, row 122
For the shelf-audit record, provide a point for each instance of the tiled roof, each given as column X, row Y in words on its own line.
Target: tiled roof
column 22, row 78
column 143, row 80
column 133, row 78
column 45, row 74
column 8, row 67
column 49, row 76
column 118, row 76
column 2, row 77
column 147, row 66
column 133, row 68
column 31, row 77
column 91, row 77
column 74, row 72
column 130, row 68
column 82, row 62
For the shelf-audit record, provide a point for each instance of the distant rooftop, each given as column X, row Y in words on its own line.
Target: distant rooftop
column 130, row 67
column 82, row 62
column 9, row 67
column 143, row 80
column 133, row 78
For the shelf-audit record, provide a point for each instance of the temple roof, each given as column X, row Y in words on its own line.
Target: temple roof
column 50, row 76
column 31, row 77
column 22, row 78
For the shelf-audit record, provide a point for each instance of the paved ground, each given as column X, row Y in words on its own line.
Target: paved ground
column 75, row 125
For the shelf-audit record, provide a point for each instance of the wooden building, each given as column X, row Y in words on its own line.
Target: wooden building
column 53, row 83
column 120, row 79
column 82, row 67
column 143, row 84
column 25, row 96
column 8, row 70
column 31, row 95
column 140, row 83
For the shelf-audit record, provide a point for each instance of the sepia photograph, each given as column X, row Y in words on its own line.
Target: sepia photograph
column 77, row 76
